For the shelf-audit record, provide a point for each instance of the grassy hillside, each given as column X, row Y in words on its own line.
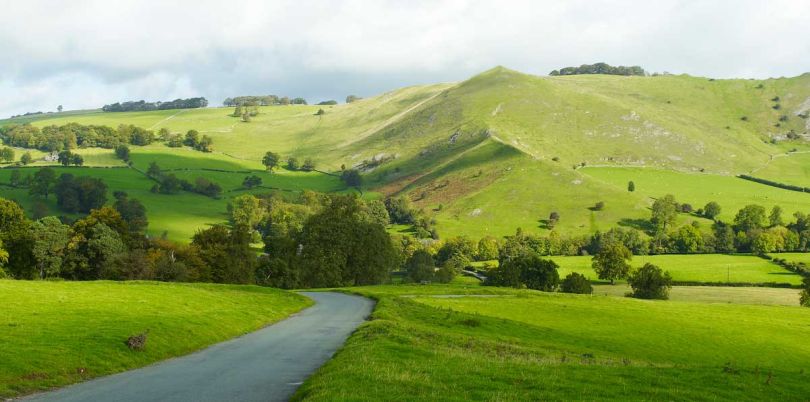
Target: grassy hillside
column 540, row 346
column 56, row 333
column 503, row 149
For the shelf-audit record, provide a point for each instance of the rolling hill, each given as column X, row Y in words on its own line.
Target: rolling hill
column 503, row 149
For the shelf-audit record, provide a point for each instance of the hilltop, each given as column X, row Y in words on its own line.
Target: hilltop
column 503, row 149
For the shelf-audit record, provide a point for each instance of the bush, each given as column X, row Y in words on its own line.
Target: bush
column 805, row 295
column 650, row 282
column 576, row 283
column 420, row 267
column 599, row 206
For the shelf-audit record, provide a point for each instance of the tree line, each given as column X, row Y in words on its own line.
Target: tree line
column 600, row 68
column 143, row 106
column 263, row 100
column 73, row 135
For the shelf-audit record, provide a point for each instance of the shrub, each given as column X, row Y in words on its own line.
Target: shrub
column 805, row 295
column 576, row 283
column 420, row 266
column 650, row 282
column 599, row 206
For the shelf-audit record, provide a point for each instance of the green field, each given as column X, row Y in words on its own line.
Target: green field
column 56, row 333
column 708, row 268
column 541, row 346
column 698, row 189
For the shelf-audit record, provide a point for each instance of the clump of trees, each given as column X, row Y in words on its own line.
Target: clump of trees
column 600, row 68
column 142, row 106
column 73, row 135
column 7, row 154
column 193, row 140
column 263, row 100
column 67, row 158
column 168, row 183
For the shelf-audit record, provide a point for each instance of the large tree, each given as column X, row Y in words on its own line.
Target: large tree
column 50, row 241
column 42, row 182
column 664, row 212
column 339, row 248
column 420, row 266
column 246, row 211
column 611, row 262
column 750, row 217
column 271, row 160
column 650, row 282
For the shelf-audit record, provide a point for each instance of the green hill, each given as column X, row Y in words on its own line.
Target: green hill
column 503, row 149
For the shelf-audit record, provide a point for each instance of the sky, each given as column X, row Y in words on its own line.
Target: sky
column 87, row 53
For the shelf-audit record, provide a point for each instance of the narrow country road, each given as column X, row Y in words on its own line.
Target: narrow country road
column 266, row 365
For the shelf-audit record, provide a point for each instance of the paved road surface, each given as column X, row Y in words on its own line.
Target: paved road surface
column 266, row 365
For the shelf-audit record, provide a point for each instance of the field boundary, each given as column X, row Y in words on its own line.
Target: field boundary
column 776, row 184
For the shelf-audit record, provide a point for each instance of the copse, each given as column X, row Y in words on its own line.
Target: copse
column 142, row 106
column 600, row 68
column 525, row 269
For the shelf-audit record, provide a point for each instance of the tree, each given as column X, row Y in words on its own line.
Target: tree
column 154, row 170
column 352, row 98
column 246, row 211
column 611, row 262
column 192, row 138
column 308, row 166
column 339, row 248
column 16, row 239
column 537, row 273
column 26, row 158
column 132, row 211
column 50, row 241
column 553, row 218
column 750, row 217
column 420, row 267
column 352, row 178
column 7, row 154
column 804, row 299
column 711, row 210
column 59, row 109
column 227, row 253
column 292, row 163
column 631, row 186
column 3, row 260
column 488, row 249
column 320, row 112
column 252, row 181
column 122, row 152
column 276, row 272
column 15, row 180
column 65, row 157
column 664, row 212
column 689, row 240
column 650, row 282
column 271, row 160
column 775, row 218
column 576, row 283
column 42, row 182
column 460, row 245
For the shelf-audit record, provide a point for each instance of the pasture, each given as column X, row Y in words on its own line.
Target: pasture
column 526, row 345
column 705, row 268
column 697, row 189
column 56, row 333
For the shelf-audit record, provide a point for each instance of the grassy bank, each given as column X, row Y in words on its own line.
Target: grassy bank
column 57, row 333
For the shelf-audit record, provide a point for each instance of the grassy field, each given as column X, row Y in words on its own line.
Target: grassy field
column 716, row 294
column 709, row 268
column 698, row 189
column 525, row 345
column 180, row 215
column 56, row 333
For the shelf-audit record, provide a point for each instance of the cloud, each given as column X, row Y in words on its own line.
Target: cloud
column 86, row 53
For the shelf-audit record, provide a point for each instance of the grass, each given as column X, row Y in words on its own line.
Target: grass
column 180, row 215
column 706, row 268
column 57, row 333
column 716, row 294
column 698, row 189
column 525, row 345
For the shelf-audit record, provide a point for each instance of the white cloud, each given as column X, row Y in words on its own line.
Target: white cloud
column 86, row 53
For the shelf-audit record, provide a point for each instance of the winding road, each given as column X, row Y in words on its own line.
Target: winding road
column 266, row 365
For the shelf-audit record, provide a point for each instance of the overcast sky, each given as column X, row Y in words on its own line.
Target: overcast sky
column 83, row 54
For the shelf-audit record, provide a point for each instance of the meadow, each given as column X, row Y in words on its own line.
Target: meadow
column 705, row 268
column 697, row 189
column 548, row 346
column 57, row 333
